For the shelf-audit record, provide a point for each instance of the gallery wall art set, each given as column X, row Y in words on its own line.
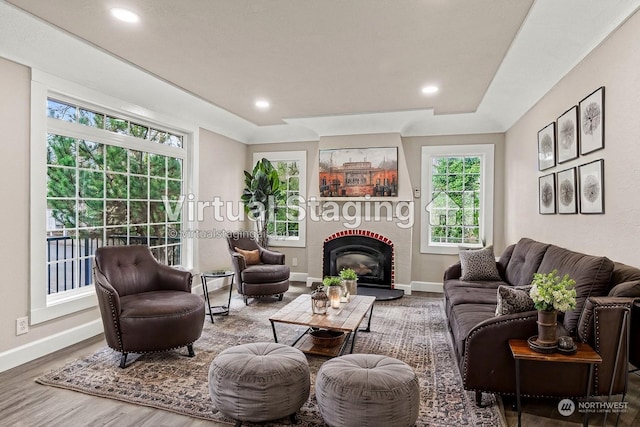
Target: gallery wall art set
column 579, row 131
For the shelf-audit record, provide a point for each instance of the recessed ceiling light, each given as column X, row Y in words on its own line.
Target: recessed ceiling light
column 125, row 15
column 262, row 104
column 430, row 90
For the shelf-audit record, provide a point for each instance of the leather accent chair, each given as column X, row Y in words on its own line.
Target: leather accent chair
column 268, row 277
column 145, row 306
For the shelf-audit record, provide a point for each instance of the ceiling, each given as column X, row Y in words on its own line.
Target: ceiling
column 357, row 66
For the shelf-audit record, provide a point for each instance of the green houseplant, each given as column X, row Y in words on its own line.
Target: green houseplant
column 551, row 293
column 262, row 188
column 334, row 290
column 350, row 282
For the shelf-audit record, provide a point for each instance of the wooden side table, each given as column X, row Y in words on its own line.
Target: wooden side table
column 216, row 310
column 585, row 354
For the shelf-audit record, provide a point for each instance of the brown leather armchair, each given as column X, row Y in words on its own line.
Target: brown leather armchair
column 259, row 272
column 145, row 306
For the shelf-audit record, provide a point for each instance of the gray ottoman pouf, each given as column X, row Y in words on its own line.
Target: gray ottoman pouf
column 367, row 390
column 259, row 382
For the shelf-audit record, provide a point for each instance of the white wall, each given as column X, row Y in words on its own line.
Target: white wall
column 615, row 65
column 221, row 162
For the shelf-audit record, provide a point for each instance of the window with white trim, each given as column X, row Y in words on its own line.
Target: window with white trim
column 457, row 201
column 99, row 177
column 287, row 226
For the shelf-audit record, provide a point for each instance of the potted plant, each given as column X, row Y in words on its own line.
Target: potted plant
column 334, row 290
column 350, row 282
column 551, row 293
column 262, row 188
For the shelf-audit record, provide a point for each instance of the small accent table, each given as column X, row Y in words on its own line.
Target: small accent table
column 585, row 354
column 216, row 310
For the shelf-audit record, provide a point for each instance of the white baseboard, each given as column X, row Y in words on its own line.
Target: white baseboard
column 405, row 288
column 298, row 277
column 310, row 280
column 28, row 352
column 427, row 286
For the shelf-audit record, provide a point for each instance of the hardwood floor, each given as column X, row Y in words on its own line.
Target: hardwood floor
column 23, row 402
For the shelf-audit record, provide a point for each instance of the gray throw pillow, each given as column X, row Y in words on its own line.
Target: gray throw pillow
column 514, row 299
column 478, row 264
column 626, row 289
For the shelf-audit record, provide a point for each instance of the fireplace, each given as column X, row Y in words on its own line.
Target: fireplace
column 369, row 254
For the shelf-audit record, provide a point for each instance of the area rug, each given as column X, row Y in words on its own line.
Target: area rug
column 412, row 329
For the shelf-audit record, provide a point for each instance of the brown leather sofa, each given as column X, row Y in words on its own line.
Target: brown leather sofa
column 145, row 306
column 481, row 338
column 264, row 275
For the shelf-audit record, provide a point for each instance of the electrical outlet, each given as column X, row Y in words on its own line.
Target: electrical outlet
column 22, row 325
column 294, row 262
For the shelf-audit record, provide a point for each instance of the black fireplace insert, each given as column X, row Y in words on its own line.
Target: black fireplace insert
column 370, row 258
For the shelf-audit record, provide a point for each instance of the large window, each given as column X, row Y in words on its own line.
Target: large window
column 287, row 225
column 99, row 177
column 457, row 202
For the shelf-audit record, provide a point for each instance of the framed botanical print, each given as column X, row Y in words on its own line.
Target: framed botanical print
column 547, row 147
column 567, row 194
column 547, row 194
column 592, row 122
column 568, row 135
column 592, row 187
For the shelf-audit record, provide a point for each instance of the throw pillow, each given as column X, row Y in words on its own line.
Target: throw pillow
column 514, row 299
column 479, row 264
column 250, row 257
column 626, row 289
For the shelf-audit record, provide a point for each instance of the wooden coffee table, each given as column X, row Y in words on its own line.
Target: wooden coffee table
column 347, row 319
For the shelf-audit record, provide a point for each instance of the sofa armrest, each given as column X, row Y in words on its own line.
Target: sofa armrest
column 453, row 271
column 600, row 326
column 487, row 356
column 271, row 257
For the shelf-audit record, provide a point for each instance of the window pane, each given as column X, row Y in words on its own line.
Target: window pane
column 91, row 184
column 138, row 162
column 116, row 159
column 90, row 213
column 61, row 111
column 138, row 188
column 174, row 168
column 61, row 214
column 116, row 186
column 90, row 155
column 61, row 182
column 138, row 213
column 116, row 125
column 157, row 188
column 61, row 150
column 91, row 118
column 139, row 131
column 157, row 166
column 158, row 136
column 116, row 212
column 116, row 236
column 175, row 140
column 157, row 212
column 174, row 190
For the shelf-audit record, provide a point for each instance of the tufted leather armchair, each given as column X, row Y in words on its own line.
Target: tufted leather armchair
column 145, row 306
column 269, row 276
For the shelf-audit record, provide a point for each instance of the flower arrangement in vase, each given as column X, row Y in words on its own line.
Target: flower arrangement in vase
column 349, row 282
column 551, row 293
column 334, row 290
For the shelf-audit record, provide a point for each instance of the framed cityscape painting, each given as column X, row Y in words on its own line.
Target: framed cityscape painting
column 592, row 187
column 547, row 147
column 592, row 122
column 359, row 172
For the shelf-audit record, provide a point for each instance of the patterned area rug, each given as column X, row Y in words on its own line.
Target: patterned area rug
column 412, row 329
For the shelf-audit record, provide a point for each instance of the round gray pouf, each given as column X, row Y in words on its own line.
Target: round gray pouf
column 259, row 382
column 367, row 390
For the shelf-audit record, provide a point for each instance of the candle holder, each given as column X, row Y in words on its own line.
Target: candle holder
column 334, row 290
column 319, row 301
